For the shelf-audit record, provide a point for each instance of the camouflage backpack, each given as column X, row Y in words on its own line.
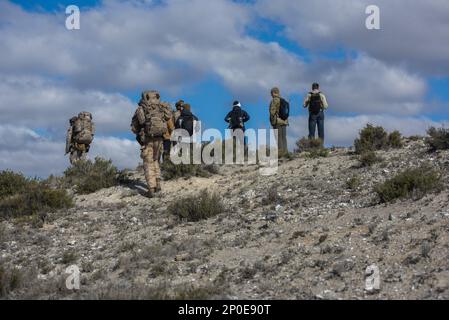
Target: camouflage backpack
column 155, row 120
column 151, row 117
column 83, row 128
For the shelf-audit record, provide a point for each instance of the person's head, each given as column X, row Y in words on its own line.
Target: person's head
column 186, row 106
column 315, row 86
column 72, row 120
column 236, row 104
column 275, row 92
column 179, row 105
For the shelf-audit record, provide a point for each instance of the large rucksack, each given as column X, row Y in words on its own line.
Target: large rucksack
column 284, row 109
column 236, row 119
column 155, row 125
column 83, row 128
column 315, row 103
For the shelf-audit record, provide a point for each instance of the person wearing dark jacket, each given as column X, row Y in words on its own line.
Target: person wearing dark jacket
column 237, row 117
column 186, row 119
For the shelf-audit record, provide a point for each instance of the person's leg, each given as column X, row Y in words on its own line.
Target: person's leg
column 284, row 138
column 278, row 138
column 149, row 166
column 82, row 155
column 166, row 153
column 157, row 149
column 73, row 156
column 320, row 121
column 312, row 126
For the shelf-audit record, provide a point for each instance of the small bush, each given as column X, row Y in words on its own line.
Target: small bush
column 171, row 171
column 371, row 138
column 12, row 183
column 415, row 138
column 413, row 183
column 88, row 177
column 319, row 153
column 368, row 158
column 69, row 257
column 313, row 146
column 27, row 197
column 10, row 279
column 305, row 144
column 395, row 140
column 196, row 208
column 271, row 197
column 353, row 183
column 438, row 139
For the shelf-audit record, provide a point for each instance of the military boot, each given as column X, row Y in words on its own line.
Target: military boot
column 158, row 185
column 151, row 192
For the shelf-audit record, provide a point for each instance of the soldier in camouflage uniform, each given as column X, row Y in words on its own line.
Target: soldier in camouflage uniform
column 151, row 122
column 77, row 152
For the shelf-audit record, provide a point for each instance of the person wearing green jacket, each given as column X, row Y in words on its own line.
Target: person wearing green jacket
column 277, row 122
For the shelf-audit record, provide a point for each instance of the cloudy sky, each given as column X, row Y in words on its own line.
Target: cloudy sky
column 210, row 53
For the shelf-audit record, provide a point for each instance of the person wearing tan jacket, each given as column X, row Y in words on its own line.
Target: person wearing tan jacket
column 278, row 123
column 167, row 136
column 316, row 102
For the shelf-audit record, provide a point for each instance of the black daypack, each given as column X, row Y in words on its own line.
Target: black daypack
column 185, row 122
column 315, row 103
column 236, row 121
column 284, row 109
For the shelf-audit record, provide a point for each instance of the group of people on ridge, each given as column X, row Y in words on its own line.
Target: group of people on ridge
column 154, row 122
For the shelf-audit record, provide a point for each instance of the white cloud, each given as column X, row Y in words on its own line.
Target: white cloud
column 35, row 102
column 366, row 85
column 413, row 33
column 129, row 45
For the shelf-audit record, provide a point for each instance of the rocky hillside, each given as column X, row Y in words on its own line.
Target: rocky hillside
column 308, row 232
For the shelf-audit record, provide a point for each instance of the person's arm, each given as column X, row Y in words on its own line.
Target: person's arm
column 228, row 117
column 307, row 100
column 324, row 101
column 246, row 116
column 274, row 110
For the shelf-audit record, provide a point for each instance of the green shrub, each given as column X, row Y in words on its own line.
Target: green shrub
column 438, row 139
column 12, row 183
column 353, row 183
column 198, row 207
column 413, row 183
column 395, row 140
column 318, row 153
column 415, row 138
column 88, row 177
column 10, row 279
column 314, row 147
column 371, row 138
column 26, row 197
column 69, row 257
column 171, row 171
column 272, row 196
column 305, row 144
column 368, row 158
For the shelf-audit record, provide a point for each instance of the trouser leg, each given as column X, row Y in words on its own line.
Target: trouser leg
column 312, row 126
column 284, row 139
column 321, row 126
